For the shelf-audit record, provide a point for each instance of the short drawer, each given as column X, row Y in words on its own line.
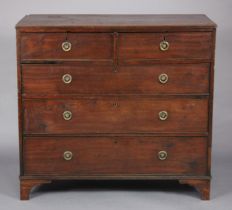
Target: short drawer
column 53, row 46
column 183, row 45
column 155, row 79
column 115, row 155
column 115, row 115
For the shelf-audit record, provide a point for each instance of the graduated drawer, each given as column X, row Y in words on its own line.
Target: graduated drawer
column 115, row 155
column 155, row 79
column 115, row 115
column 49, row 46
column 182, row 45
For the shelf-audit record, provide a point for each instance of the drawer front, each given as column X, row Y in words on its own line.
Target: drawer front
column 112, row 156
column 184, row 45
column 115, row 115
column 48, row 46
column 58, row 79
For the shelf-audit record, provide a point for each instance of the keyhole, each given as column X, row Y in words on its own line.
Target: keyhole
column 115, row 104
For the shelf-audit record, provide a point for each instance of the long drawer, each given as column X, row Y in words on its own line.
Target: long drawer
column 115, row 115
column 118, row 155
column 155, row 79
column 184, row 45
column 53, row 46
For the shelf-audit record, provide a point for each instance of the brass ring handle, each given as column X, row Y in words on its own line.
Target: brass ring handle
column 67, row 115
column 164, row 45
column 66, row 46
column 163, row 78
column 163, row 115
column 67, row 155
column 162, row 155
column 67, row 78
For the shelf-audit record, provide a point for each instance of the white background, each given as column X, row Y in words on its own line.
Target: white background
column 219, row 11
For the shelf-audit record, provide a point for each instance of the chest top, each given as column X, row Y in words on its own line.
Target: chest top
column 107, row 23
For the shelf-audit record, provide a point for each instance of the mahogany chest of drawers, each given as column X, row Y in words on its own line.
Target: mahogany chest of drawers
column 115, row 97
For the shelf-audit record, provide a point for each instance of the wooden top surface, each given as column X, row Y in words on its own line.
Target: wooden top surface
column 100, row 23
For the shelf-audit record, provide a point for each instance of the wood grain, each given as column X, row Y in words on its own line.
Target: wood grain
column 26, row 186
column 122, row 155
column 194, row 45
column 202, row 186
column 115, row 98
column 124, row 23
column 182, row 79
column 115, row 115
column 85, row 46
